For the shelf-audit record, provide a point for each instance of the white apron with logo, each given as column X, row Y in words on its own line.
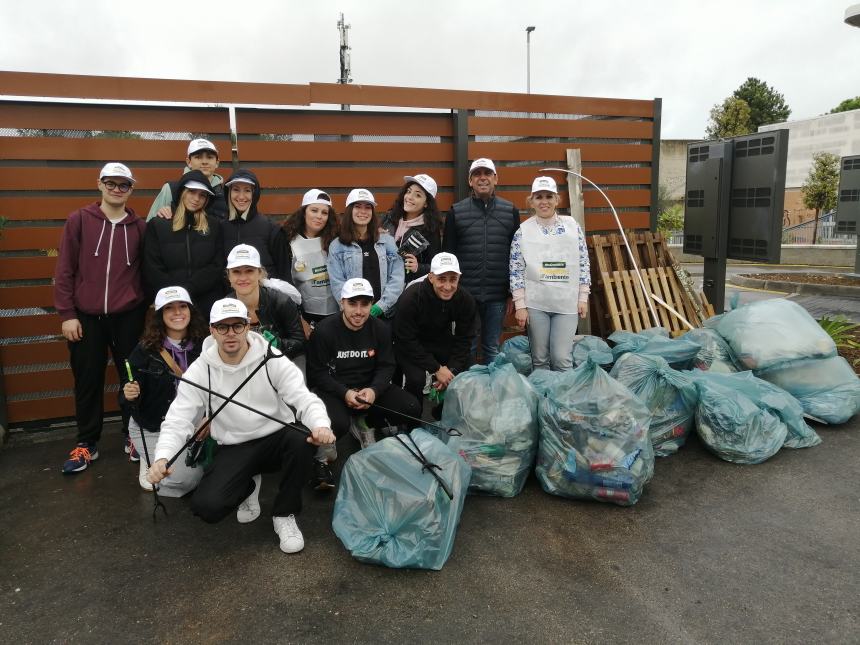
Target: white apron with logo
column 310, row 275
column 552, row 266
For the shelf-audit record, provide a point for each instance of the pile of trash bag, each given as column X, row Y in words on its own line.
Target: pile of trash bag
column 516, row 351
column 827, row 388
column 584, row 345
column 392, row 510
column 594, row 440
column 715, row 355
column 768, row 332
column 495, row 410
column 746, row 420
column 678, row 352
column 669, row 394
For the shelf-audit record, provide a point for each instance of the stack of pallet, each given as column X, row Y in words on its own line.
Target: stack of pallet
column 617, row 301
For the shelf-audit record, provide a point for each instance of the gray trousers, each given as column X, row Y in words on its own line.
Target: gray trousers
column 551, row 339
column 182, row 480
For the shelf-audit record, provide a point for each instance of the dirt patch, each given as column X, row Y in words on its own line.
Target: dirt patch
column 852, row 355
column 807, row 278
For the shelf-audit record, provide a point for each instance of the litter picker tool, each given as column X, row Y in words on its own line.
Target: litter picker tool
column 451, row 432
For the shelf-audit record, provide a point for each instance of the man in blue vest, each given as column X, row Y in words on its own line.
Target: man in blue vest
column 479, row 230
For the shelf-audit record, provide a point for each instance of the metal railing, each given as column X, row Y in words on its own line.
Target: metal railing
column 797, row 234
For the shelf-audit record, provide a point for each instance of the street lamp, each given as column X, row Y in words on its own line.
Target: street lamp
column 529, row 31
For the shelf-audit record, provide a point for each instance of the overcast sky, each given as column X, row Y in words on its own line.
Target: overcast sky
column 691, row 53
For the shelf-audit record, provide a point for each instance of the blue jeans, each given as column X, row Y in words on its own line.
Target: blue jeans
column 492, row 315
column 551, row 339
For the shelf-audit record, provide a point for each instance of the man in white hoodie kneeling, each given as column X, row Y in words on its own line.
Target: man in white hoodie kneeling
column 248, row 443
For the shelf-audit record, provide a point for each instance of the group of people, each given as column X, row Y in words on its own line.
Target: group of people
column 337, row 323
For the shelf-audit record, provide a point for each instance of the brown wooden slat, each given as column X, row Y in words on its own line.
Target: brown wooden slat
column 653, row 283
column 48, row 381
column 151, row 89
column 45, row 207
column 53, row 408
column 345, row 151
column 114, row 117
column 614, row 129
column 342, row 123
column 17, row 326
column 32, row 178
column 547, row 151
column 344, row 177
column 601, row 175
column 446, row 99
column 27, row 268
column 20, row 297
column 276, row 204
column 34, row 353
column 615, row 304
column 98, row 149
column 18, row 239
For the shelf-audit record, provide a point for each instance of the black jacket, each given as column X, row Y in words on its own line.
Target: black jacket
column 422, row 328
column 157, row 391
column 216, row 206
column 278, row 314
column 426, row 256
column 256, row 229
column 480, row 236
column 186, row 258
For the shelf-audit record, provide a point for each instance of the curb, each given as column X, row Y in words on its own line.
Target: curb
column 800, row 288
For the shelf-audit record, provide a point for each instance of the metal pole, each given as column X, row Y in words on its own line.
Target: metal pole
column 529, row 31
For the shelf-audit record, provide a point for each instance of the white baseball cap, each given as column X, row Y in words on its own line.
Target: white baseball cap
column 196, row 185
column 243, row 255
column 197, row 145
column 116, row 169
column 425, row 181
column 355, row 287
column 544, row 183
column 240, row 180
column 171, row 294
column 316, row 196
column 444, row 263
column 482, row 163
column 227, row 308
column 360, row 195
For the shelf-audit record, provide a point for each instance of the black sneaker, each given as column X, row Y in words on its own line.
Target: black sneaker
column 322, row 479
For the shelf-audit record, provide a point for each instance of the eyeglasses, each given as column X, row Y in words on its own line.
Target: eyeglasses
column 223, row 328
column 112, row 185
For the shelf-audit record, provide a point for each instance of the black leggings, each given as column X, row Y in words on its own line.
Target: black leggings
column 393, row 398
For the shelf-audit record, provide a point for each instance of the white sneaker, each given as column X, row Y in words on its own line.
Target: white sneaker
column 249, row 510
column 292, row 540
column 360, row 430
column 141, row 477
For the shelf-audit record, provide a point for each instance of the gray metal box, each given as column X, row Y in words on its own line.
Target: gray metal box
column 757, row 196
column 709, row 173
column 848, row 197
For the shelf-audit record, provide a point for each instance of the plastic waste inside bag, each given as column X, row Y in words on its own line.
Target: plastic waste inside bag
column 516, row 351
column 394, row 511
column 715, row 355
column 768, row 332
column 670, row 396
column 594, row 440
column 827, row 388
column 583, row 345
column 495, row 410
column 678, row 352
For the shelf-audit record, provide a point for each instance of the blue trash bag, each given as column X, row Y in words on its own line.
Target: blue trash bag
column 746, row 420
column 715, row 355
column 516, row 351
column 669, row 394
column 392, row 511
column 495, row 410
column 827, row 388
column 768, row 332
column 594, row 440
column 678, row 352
column 583, row 345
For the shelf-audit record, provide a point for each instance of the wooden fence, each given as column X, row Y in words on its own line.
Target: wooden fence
column 50, row 154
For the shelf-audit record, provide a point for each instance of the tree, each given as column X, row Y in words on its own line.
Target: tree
column 821, row 185
column 729, row 119
column 847, row 104
column 765, row 103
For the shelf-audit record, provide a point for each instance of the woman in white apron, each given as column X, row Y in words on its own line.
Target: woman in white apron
column 303, row 252
column 550, row 278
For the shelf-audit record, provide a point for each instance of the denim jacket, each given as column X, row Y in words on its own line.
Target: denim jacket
column 345, row 262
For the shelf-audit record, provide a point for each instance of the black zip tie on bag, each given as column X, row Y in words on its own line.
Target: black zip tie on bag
column 427, row 465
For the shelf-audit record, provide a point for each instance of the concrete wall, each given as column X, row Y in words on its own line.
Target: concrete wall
column 673, row 166
column 803, row 254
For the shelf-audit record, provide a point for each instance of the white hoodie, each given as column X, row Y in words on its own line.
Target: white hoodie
column 235, row 424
